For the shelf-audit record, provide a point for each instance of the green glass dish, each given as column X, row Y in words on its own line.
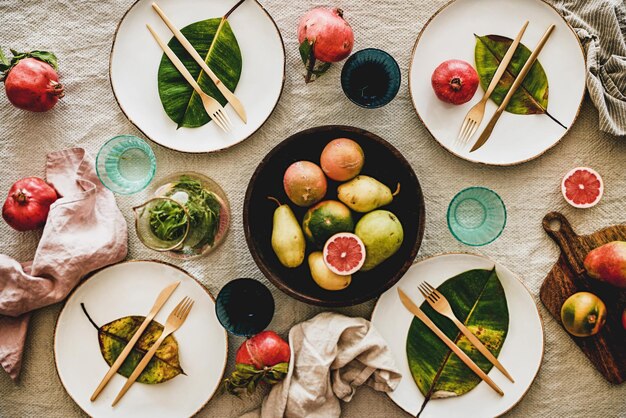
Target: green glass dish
column 476, row 216
column 125, row 164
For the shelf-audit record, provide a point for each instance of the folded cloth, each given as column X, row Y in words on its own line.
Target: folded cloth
column 601, row 27
column 85, row 231
column 331, row 355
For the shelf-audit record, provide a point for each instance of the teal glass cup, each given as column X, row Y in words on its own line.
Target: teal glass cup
column 476, row 216
column 125, row 164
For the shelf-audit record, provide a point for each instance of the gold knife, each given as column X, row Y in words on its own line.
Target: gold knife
column 516, row 83
column 415, row 310
column 232, row 99
column 158, row 304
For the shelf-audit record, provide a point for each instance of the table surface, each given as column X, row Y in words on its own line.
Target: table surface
column 80, row 33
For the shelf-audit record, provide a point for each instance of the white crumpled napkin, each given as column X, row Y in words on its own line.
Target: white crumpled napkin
column 331, row 355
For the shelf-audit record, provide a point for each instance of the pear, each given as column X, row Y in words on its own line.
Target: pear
column 607, row 263
column 382, row 235
column 364, row 194
column 287, row 237
column 323, row 276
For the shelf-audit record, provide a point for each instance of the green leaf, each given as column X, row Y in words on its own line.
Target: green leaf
column 114, row 336
column 532, row 96
column 216, row 42
column 45, row 56
column 4, row 61
column 478, row 300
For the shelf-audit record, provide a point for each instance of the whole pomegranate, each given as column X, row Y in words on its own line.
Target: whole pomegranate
column 323, row 35
column 455, row 81
column 31, row 81
column 28, row 204
column 262, row 358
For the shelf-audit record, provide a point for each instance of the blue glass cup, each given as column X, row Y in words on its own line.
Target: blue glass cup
column 125, row 164
column 476, row 216
column 244, row 307
column 370, row 78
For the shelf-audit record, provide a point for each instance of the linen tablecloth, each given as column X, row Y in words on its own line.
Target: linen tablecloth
column 80, row 32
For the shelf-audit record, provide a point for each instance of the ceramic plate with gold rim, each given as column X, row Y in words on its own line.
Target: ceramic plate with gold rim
column 130, row 288
column 521, row 353
column 449, row 34
column 135, row 58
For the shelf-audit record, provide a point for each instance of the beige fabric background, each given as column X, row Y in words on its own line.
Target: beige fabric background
column 80, row 32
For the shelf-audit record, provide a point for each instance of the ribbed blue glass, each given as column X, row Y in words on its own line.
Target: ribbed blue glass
column 370, row 78
column 244, row 307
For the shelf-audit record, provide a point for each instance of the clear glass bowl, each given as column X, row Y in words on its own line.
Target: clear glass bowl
column 125, row 164
column 206, row 207
column 476, row 216
column 244, row 307
column 370, row 78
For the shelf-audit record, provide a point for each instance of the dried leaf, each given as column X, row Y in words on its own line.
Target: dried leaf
column 532, row 96
column 114, row 336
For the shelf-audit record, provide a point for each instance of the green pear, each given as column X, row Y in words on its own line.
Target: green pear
column 382, row 234
column 364, row 194
column 287, row 237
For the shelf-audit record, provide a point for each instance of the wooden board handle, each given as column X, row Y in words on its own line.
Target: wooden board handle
column 559, row 229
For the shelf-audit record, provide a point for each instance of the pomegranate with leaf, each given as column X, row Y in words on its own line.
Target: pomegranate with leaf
column 262, row 358
column 31, row 80
column 325, row 37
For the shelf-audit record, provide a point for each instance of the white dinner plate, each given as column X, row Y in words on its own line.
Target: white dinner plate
column 450, row 35
column 521, row 353
column 135, row 58
column 130, row 288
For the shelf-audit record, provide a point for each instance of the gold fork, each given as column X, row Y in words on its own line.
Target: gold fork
column 440, row 304
column 475, row 115
column 174, row 321
column 213, row 108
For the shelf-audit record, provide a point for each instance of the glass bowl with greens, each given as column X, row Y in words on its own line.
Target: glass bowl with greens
column 188, row 217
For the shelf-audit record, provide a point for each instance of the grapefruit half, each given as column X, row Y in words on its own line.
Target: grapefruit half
column 344, row 253
column 582, row 187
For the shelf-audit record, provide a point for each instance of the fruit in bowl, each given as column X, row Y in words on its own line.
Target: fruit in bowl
column 364, row 194
column 326, row 219
column 583, row 314
column 287, row 238
column 304, row 183
column 334, row 277
column 342, row 159
column 455, row 81
column 382, row 234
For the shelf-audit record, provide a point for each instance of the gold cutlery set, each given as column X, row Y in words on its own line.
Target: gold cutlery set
column 213, row 108
column 174, row 321
column 475, row 115
column 441, row 305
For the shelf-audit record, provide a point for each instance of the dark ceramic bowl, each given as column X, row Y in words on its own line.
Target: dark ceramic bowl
column 383, row 162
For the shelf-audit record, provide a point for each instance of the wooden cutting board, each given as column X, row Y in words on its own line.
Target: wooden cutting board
column 607, row 349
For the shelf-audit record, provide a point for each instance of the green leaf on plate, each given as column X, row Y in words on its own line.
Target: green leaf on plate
column 532, row 96
column 114, row 336
column 216, row 42
column 478, row 300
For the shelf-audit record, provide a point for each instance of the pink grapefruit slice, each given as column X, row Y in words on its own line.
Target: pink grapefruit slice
column 582, row 187
column 344, row 253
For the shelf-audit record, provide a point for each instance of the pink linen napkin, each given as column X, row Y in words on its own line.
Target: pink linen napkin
column 85, row 231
